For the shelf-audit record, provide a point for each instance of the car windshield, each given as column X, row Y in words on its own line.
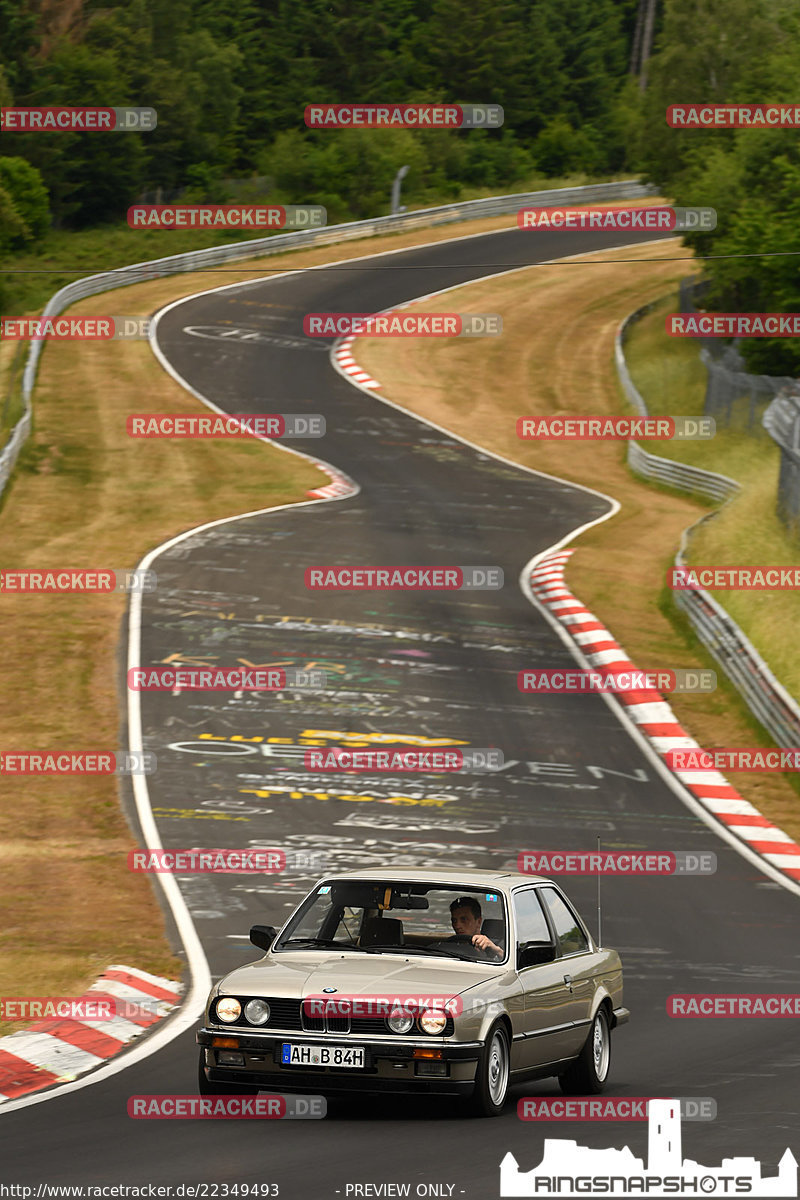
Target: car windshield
column 394, row 917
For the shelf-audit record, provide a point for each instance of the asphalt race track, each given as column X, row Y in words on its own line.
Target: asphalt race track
column 422, row 664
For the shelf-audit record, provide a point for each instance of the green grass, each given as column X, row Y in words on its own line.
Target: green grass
column 669, row 375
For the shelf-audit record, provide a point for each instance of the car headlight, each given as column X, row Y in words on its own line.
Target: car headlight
column 399, row 1021
column 257, row 1012
column 228, row 1009
column 432, row 1021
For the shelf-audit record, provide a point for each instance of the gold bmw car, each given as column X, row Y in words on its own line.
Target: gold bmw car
column 418, row 982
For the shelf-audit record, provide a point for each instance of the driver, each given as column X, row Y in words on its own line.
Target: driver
column 465, row 916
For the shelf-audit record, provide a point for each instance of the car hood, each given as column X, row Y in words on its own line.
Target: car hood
column 304, row 973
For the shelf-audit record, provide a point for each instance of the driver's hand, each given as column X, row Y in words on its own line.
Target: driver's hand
column 482, row 942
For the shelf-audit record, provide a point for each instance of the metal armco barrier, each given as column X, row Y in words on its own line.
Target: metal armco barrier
column 176, row 264
column 766, row 698
column 782, row 423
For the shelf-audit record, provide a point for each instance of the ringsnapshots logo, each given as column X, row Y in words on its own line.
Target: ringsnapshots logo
column 574, row 428
column 614, row 217
column 235, row 425
column 77, row 120
column 227, row 216
column 90, row 582
column 262, row 1107
column 610, row 1108
column 259, row 860
column 730, row 325
column 77, row 762
column 734, row 758
column 213, row 679
column 403, row 116
column 568, row 1169
column 734, row 578
column 403, row 579
column 403, row 758
column 617, row 862
column 626, row 680
column 733, row 116
column 402, row 324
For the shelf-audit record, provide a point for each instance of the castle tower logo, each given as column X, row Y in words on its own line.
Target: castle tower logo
column 568, row 1169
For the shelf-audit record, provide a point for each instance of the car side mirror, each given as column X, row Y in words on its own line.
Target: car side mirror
column 263, row 936
column 532, row 954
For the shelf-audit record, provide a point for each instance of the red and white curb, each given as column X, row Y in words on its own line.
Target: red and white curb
column 655, row 719
column 59, row 1049
column 344, row 358
column 341, row 485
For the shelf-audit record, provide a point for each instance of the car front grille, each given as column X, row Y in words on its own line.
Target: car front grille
column 287, row 1016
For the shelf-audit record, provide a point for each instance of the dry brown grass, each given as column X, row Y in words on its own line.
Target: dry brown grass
column 556, row 356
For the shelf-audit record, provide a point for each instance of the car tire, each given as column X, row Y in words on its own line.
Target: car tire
column 492, row 1074
column 207, row 1088
column 588, row 1074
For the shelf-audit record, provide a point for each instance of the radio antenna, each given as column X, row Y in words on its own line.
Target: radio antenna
column 599, row 909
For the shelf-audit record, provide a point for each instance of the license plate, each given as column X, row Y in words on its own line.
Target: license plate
column 293, row 1055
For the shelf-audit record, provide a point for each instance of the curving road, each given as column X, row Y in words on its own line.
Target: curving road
column 422, row 664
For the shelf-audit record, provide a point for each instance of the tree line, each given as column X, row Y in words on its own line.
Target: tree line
column 230, row 81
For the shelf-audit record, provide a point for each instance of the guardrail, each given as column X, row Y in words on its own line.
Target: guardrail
column 176, row 264
column 782, row 423
column 664, row 470
column 766, row 698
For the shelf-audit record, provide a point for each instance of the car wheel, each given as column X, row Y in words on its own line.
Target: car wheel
column 491, row 1076
column 206, row 1088
column 588, row 1074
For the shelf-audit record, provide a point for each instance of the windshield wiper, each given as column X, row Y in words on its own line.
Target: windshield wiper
column 323, row 942
column 424, row 950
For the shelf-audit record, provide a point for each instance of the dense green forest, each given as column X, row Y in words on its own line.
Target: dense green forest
column 230, row 82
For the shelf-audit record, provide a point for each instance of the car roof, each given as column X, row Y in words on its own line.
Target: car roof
column 473, row 877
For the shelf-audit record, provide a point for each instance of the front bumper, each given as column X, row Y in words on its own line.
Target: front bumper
column 390, row 1065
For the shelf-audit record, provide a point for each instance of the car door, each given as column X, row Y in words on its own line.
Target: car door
column 543, row 1032
column 577, row 961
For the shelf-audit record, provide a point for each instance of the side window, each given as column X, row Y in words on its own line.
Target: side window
column 531, row 923
column 571, row 938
